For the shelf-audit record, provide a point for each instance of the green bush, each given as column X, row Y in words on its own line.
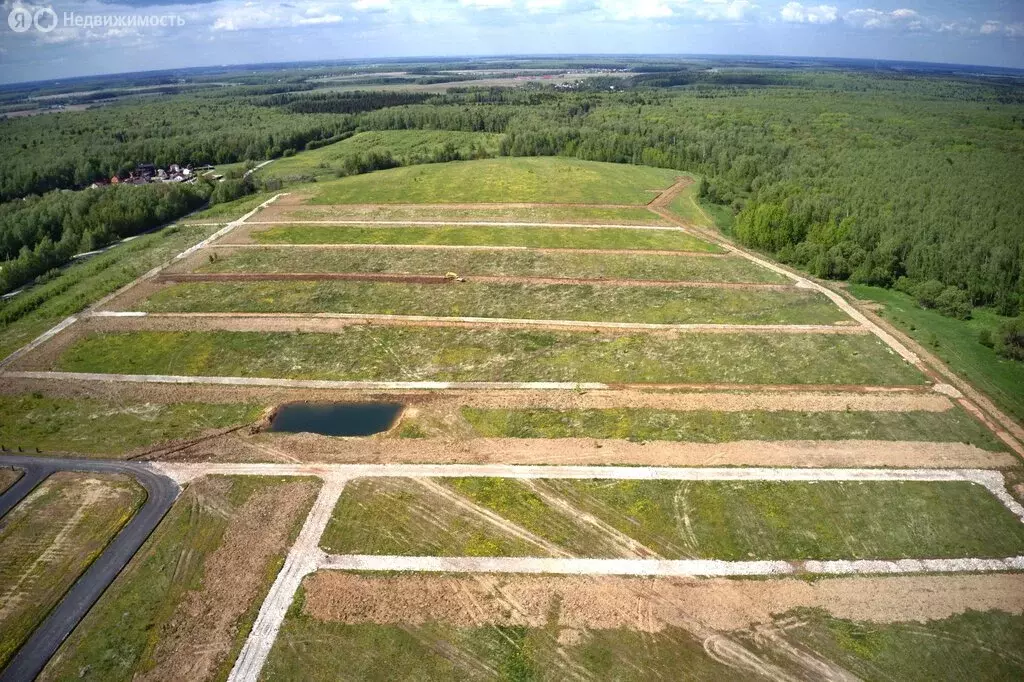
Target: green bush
column 985, row 338
column 927, row 294
column 954, row 302
column 1011, row 339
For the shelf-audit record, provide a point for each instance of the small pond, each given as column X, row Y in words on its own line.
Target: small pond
column 335, row 419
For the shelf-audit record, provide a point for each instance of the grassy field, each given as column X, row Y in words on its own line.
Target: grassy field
column 408, row 147
column 501, row 263
column 49, row 539
column 504, row 180
column 185, row 604
column 688, row 206
column 533, row 237
column 95, row 427
column 643, row 424
column 661, row 305
column 956, row 343
column 308, row 648
column 231, row 210
column 32, row 312
column 537, row 213
column 451, row 354
column 684, row 519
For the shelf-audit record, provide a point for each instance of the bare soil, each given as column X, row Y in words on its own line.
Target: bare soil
column 647, row 604
column 7, row 477
column 441, row 279
column 329, row 322
column 244, row 447
column 201, row 634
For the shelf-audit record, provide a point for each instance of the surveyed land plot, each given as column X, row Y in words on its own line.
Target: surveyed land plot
column 638, row 424
column 582, row 302
column 726, row 520
column 506, row 179
column 469, row 263
column 184, row 605
column 524, row 627
column 596, row 214
column 380, row 353
column 49, row 539
column 605, row 238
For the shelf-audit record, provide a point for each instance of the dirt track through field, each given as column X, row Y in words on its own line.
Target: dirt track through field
column 246, row 242
column 647, row 605
column 331, row 322
column 442, row 280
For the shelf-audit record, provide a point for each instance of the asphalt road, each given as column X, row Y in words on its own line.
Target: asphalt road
column 161, row 492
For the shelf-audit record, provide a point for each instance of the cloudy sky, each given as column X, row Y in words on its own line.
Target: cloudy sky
column 110, row 36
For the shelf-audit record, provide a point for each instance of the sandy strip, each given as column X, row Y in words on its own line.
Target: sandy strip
column 664, row 567
column 647, row 605
column 328, row 322
column 442, row 280
column 433, row 247
column 467, row 223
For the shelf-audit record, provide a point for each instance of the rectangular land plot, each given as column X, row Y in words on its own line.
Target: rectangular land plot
column 604, row 238
column 378, row 353
column 469, row 263
column 184, row 605
column 506, row 179
column 379, row 627
column 49, row 539
column 725, row 520
column 580, row 302
column 706, row 426
column 101, row 427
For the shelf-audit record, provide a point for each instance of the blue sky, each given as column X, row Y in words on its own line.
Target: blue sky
column 110, row 36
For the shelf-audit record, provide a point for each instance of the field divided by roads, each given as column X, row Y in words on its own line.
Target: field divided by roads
column 552, row 314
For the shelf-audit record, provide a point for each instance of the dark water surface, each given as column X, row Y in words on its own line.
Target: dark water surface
column 335, row 419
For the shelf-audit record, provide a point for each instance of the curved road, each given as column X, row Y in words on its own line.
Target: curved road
column 161, row 492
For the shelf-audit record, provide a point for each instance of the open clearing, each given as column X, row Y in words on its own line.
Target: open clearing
column 584, row 302
column 470, row 263
column 446, row 354
column 186, row 602
column 547, row 180
column 512, row 627
column 672, row 520
column 49, row 539
column 404, row 146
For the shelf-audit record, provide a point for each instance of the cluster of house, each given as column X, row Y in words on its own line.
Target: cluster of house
column 146, row 173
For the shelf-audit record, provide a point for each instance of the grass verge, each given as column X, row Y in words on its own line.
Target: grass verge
column 452, row 354
column 642, row 424
column 659, row 305
column 185, row 604
column 32, row 312
column 95, row 427
column 454, row 235
column 956, row 343
column 492, row 263
column 49, row 539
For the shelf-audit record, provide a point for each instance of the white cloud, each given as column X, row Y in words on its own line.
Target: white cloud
column 626, row 10
column 538, row 6
column 999, row 28
column 723, row 10
column 797, row 13
column 877, row 19
column 371, row 5
column 488, row 4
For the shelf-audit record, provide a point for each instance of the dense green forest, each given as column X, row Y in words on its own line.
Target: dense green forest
column 890, row 178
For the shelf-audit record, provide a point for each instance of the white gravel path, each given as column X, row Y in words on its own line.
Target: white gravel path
column 305, row 557
column 662, row 567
